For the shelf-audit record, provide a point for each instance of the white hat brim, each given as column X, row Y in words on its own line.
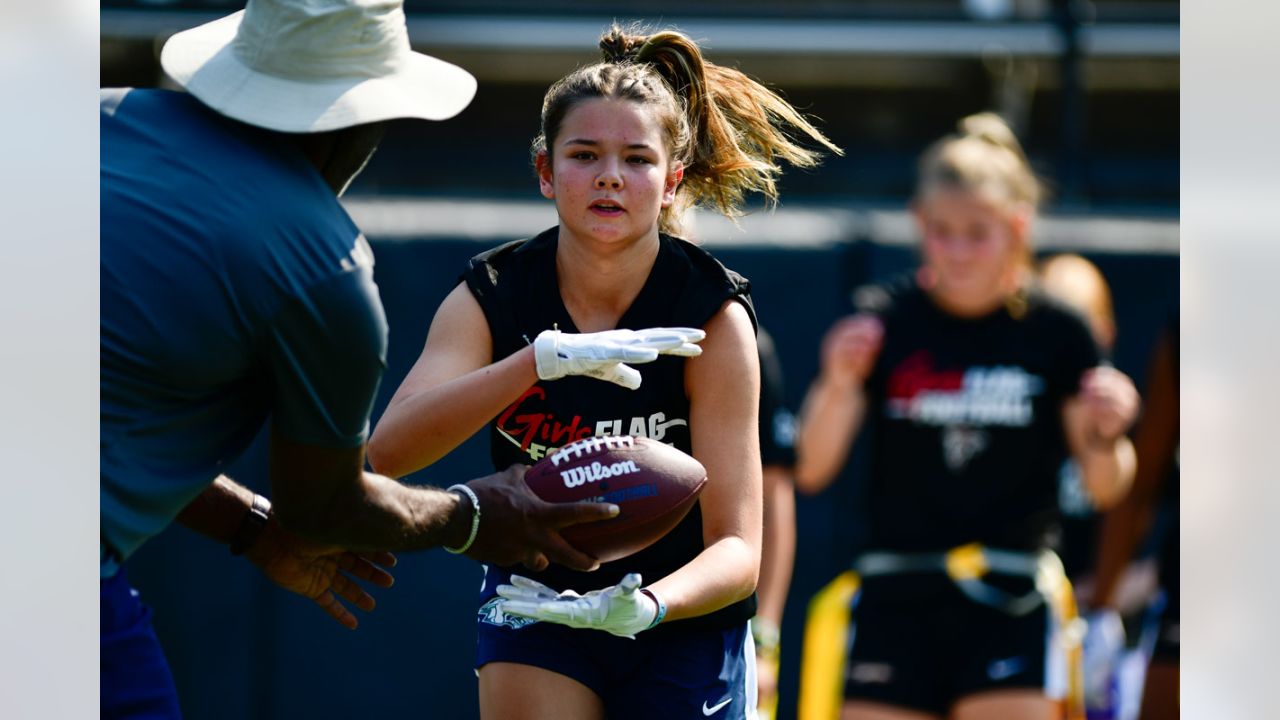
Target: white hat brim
column 201, row 60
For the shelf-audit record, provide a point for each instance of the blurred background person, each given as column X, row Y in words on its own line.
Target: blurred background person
column 1078, row 284
column 976, row 387
column 1149, row 516
column 1120, row 635
column 778, row 544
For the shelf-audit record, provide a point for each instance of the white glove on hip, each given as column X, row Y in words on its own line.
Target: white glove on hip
column 601, row 355
column 621, row 609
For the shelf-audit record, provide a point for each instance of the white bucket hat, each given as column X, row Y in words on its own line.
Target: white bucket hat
column 315, row 65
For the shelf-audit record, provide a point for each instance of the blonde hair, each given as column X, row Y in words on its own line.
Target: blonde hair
column 728, row 131
column 983, row 157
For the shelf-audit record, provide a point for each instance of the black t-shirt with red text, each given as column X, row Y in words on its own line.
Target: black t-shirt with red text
column 967, row 419
column 517, row 287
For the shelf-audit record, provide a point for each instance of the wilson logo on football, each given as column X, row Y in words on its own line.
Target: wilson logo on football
column 573, row 477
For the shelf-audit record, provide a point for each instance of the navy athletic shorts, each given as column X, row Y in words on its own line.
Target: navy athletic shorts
column 136, row 682
column 667, row 674
column 916, row 641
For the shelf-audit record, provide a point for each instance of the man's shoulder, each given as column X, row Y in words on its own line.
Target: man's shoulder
column 197, row 141
column 151, row 104
column 109, row 99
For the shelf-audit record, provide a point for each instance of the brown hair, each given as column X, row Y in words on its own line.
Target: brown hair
column 725, row 128
column 985, row 157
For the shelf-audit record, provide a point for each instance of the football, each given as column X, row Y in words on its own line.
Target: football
column 654, row 485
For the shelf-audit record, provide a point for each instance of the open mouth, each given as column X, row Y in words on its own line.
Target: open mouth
column 606, row 207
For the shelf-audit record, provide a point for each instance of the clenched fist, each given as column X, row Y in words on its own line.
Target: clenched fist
column 851, row 347
column 1111, row 401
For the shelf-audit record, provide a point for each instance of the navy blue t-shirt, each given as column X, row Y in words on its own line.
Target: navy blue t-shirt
column 233, row 287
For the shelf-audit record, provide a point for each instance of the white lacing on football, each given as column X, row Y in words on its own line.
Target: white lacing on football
column 590, row 446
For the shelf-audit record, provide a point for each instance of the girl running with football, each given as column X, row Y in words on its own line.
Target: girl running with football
column 534, row 343
column 975, row 386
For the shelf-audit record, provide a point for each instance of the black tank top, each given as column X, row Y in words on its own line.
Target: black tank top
column 517, row 287
column 966, row 416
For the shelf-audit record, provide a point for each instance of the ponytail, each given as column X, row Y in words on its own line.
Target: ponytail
column 984, row 156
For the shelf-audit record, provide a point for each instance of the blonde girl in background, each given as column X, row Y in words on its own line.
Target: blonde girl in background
column 975, row 387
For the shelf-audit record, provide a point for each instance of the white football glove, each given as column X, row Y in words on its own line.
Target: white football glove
column 601, row 355
column 618, row 609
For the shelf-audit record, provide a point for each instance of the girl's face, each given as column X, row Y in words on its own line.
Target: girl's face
column 972, row 247
column 609, row 171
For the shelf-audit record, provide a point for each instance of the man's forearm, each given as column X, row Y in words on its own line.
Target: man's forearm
column 389, row 516
column 219, row 510
column 382, row 514
column 325, row 495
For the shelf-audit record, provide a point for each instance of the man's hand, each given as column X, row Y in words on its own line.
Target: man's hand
column 620, row 609
column 602, row 355
column 320, row 572
column 517, row 526
column 850, row 348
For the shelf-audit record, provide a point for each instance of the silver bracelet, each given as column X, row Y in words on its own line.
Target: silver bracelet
column 475, row 519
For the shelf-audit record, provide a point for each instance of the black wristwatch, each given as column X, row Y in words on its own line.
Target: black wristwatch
column 251, row 527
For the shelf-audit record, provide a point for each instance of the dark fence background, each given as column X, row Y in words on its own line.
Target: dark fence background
column 240, row 648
